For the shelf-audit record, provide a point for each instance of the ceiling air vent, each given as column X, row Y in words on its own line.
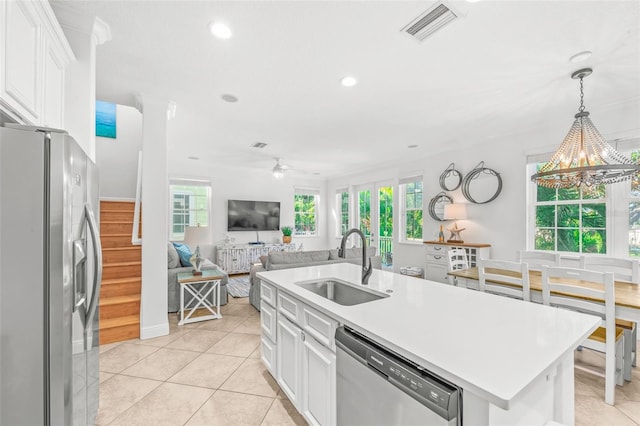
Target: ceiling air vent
column 430, row 21
column 258, row 145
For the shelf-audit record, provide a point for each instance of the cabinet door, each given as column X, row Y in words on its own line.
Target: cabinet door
column 436, row 272
column 318, row 382
column 53, row 88
column 22, row 59
column 289, row 354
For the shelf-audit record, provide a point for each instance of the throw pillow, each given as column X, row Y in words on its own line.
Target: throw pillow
column 174, row 259
column 184, row 252
column 263, row 260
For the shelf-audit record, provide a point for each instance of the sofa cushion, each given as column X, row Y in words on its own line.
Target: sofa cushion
column 263, row 260
column 172, row 254
column 333, row 254
column 184, row 252
column 357, row 252
column 276, row 258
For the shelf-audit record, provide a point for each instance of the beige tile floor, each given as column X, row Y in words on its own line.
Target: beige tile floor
column 206, row 373
column 210, row 373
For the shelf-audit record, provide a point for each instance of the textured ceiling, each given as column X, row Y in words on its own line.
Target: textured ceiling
column 498, row 71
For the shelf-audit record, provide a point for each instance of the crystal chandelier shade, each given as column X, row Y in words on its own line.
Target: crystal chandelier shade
column 584, row 157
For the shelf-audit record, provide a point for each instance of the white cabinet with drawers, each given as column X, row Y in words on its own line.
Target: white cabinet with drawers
column 298, row 349
column 437, row 264
column 238, row 259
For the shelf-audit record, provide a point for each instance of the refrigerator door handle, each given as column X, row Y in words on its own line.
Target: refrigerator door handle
column 79, row 259
column 97, row 258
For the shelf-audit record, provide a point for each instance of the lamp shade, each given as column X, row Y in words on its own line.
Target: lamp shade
column 196, row 235
column 455, row 211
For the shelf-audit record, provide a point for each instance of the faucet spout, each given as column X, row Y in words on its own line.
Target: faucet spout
column 366, row 270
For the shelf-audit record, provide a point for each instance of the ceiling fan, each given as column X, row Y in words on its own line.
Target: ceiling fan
column 279, row 169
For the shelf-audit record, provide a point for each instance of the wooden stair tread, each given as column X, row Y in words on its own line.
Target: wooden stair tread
column 120, row 280
column 119, row 322
column 121, row 248
column 121, row 264
column 115, row 300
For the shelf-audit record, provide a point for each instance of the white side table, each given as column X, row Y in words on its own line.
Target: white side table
column 205, row 290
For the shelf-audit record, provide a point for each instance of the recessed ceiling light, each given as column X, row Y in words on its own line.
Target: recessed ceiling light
column 581, row 56
column 412, row 146
column 220, row 30
column 229, row 98
column 349, row 81
column 193, row 158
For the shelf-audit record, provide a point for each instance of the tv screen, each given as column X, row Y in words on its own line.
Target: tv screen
column 245, row 215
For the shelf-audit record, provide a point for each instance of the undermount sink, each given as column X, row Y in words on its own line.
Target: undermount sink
column 341, row 292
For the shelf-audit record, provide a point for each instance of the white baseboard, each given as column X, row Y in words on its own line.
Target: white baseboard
column 154, row 331
column 117, row 199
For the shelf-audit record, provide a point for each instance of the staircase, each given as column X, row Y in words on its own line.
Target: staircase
column 121, row 274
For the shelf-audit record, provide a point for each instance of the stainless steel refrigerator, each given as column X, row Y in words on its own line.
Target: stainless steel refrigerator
column 50, row 271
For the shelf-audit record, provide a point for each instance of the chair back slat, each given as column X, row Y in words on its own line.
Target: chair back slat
column 504, row 278
column 627, row 270
column 457, row 259
column 537, row 259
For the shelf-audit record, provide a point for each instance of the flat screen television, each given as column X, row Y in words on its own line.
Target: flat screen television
column 243, row 215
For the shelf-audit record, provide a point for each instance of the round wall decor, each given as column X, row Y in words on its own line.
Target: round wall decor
column 481, row 185
column 436, row 206
column 450, row 179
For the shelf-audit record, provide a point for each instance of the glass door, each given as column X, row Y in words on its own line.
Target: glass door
column 364, row 213
column 375, row 218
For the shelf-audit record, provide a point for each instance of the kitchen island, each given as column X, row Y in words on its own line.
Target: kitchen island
column 513, row 359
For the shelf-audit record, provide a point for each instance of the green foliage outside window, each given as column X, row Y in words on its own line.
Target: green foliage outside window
column 634, row 212
column 305, row 214
column 571, row 219
column 344, row 212
column 413, row 210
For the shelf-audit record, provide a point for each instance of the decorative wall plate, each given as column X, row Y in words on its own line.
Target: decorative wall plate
column 436, row 206
column 450, row 179
column 481, row 185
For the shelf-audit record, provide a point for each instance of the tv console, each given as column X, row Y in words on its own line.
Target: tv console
column 238, row 258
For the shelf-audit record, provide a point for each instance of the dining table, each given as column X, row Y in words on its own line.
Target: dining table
column 627, row 294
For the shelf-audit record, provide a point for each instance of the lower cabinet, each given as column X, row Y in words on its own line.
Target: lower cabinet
column 289, row 355
column 318, row 382
column 298, row 349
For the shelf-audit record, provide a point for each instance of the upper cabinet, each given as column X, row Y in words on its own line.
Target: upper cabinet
column 33, row 56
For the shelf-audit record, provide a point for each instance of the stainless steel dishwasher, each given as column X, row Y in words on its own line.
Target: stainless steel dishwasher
column 378, row 387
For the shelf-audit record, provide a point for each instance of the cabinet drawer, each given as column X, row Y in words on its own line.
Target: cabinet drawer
column 437, row 258
column 269, row 355
column 268, row 321
column 437, row 249
column 320, row 326
column 290, row 307
column 268, row 293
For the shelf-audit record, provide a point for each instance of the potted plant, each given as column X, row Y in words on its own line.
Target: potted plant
column 286, row 234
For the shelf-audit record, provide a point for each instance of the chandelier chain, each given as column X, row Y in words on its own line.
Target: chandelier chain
column 581, row 109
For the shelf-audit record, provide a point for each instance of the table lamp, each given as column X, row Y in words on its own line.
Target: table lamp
column 194, row 236
column 455, row 212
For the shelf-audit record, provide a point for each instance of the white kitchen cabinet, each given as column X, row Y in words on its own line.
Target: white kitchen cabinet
column 318, row 382
column 437, row 265
column 33, row 57
column 289, row 359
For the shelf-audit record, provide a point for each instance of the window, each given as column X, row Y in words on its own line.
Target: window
column 634, row 212
column 190, row 201
column 342, row 208
column 305, row 208
column 571, row 219
column 411, row 204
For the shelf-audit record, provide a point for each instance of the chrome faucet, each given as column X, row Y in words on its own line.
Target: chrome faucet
column 366, row 271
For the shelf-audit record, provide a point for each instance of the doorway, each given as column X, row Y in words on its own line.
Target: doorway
column 377, row 223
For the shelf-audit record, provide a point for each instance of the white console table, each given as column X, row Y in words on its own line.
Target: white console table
column 437, row 265
column 238, row 258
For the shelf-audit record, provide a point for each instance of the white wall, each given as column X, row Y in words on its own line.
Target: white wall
column 117, row 159
column 237, row 183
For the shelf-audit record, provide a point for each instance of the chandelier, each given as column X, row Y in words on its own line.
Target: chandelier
column 584, row 157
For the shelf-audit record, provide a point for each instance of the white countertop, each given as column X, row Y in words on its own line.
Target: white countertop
column 490, row 345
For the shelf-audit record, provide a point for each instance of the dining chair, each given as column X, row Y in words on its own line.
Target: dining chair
column 573, row 289
column 504, row 278
column 456, row 260
column 627, row 270
column 537, row 259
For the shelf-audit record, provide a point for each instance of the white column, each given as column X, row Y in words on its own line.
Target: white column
column 155, row 234
column 84, row 32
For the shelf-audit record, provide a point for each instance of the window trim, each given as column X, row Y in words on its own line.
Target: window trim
column 340, row 213
column 174, row 182
column 402, row 234
column 315, row 192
